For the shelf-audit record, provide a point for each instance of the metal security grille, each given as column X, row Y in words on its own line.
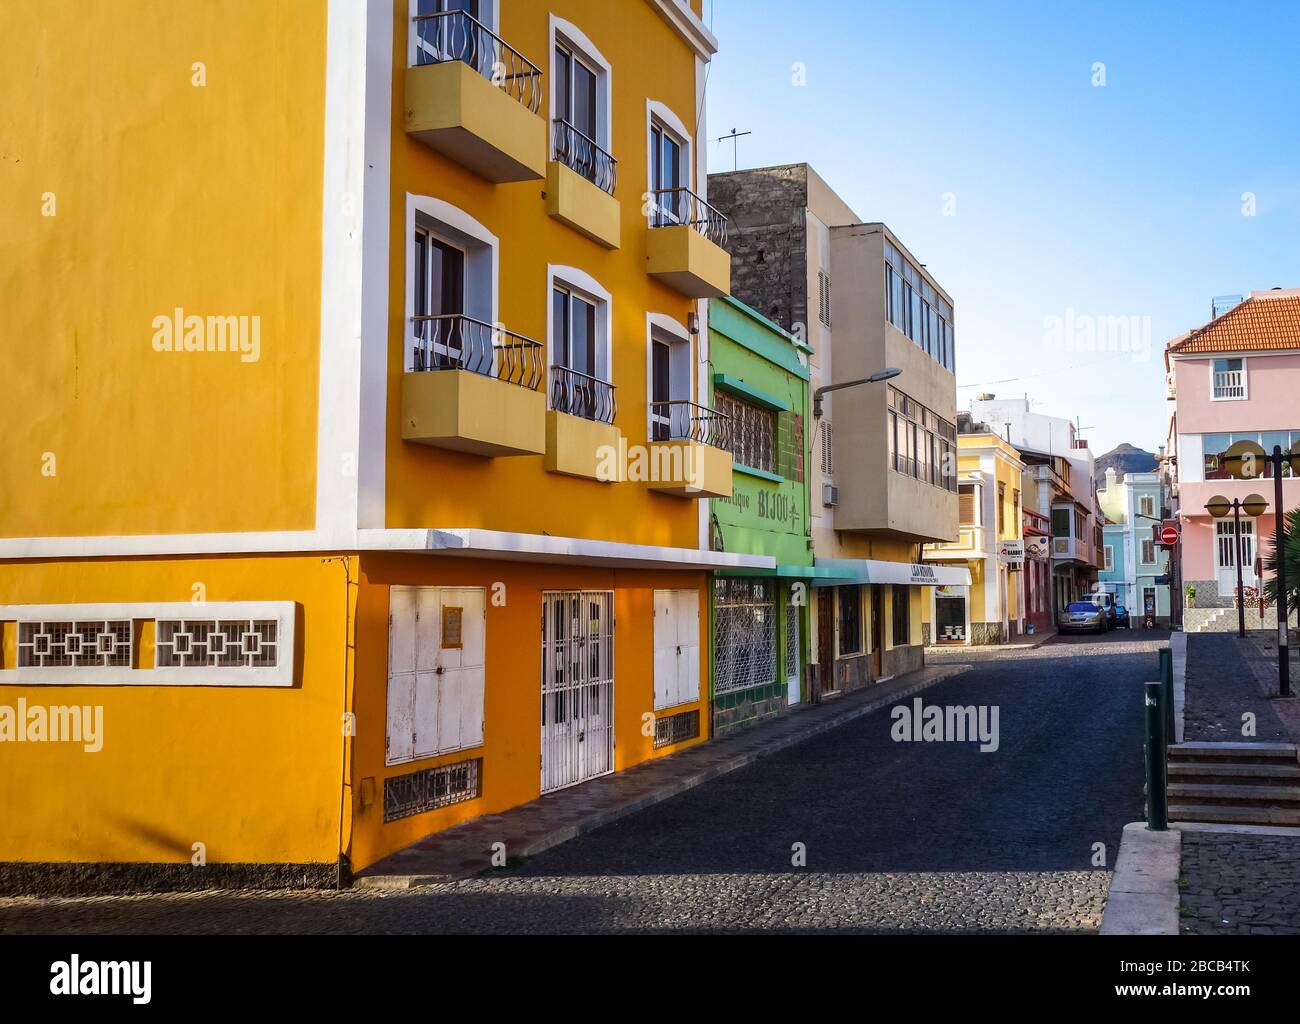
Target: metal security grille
column 417, row 792
column 677, row 728
column 79, row 644
column 753, row 431
column 791, row 641
column 577, row 687
column 224, row 643
column 744, row 634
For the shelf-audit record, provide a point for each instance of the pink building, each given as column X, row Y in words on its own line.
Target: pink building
column 1236, row 378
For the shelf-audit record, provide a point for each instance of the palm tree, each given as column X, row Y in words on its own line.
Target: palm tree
column 1292, row 564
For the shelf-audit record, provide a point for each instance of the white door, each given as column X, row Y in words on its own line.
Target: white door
column 577, row 687
column 1226, row 555
column 676, row 647
column 436, row 660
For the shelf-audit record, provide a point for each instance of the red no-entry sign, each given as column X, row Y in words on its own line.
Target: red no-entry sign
column 1168, row 535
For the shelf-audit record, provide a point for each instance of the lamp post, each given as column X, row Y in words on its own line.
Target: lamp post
column 875, row 378
column 1245, row 460
column 1254, row 506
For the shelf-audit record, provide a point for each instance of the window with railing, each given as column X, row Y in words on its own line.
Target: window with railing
column 580, row 394
column 579, row 152
column 453, row 341
column 580, row 124
column 753, row 432
column 677, row 206
column 455, row 34
column 681, row 420
column 1229, row 379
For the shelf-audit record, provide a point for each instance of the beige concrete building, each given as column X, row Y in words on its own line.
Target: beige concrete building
column 882, row 471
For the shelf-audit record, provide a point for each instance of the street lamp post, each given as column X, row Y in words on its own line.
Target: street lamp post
column 1245, row 460
column 875, row 378
column 1254, row 506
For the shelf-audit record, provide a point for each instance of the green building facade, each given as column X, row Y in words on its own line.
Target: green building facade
column 758, row 375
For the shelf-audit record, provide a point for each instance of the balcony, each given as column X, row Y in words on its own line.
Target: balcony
column 580, row 185
column 688, row 451
column 474, row 98
column 474, row 388
column 581, row 439
column 1229, row 385
column 685, row 247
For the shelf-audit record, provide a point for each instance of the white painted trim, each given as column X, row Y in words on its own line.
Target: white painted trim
column 1245, row 378
column 568, row 550
column 585, row 286
column 342, row 268
column 687, row 24
column 281, row 675
column 577, row 40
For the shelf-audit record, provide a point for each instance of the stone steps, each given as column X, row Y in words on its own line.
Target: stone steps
column 1219, row 793
column 1223, row 814
column 1234, row 783
column 1247, row 773
column 1234, row 753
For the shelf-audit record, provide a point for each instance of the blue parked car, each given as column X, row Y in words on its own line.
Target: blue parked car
column 1122, row 618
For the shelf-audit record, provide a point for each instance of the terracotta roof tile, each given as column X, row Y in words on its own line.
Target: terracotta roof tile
column 1264, row 322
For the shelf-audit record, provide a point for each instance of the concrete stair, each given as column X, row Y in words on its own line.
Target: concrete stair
column 1235, row 783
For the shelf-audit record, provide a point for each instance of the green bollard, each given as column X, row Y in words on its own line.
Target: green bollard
column 1157, row 796
column 1167, row 680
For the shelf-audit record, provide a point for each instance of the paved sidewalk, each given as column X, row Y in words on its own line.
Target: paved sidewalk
column 1227, row 677
column 1237, row 883
column 466, row 850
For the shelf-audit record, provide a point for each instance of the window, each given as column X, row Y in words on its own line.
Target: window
column 1226, row 537
column 1002, row 509
column 75, row 644
column 1147, row 506
column 1229, row 380
column 850, row 609
column 967, row 505
column 440, row 330
column 1148, row 551
column 824, row 298
column 580, row 98
column 752, row 431
column 1110, row 558
column 744, row 649
column 577, row 362
column 668, row 176
column 902, row 616
column 920, row 443
column 1060, row 522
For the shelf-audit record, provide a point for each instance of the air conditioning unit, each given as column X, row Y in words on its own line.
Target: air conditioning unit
column 830, row 495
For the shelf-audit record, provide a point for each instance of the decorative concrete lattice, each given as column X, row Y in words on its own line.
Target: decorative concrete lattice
column 791, row 641
column 95, row 643
column 745, row 631
column 221, row 643
column 427, row 790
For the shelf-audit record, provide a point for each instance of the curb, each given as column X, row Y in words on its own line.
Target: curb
column 598, row 819
column 1178, row 645
column 1143, row 898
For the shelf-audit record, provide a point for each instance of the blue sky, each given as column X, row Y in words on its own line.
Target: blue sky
column 1124, row 200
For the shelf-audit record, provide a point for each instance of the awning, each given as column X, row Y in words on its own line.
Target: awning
column 788, row 572
column 902, row 574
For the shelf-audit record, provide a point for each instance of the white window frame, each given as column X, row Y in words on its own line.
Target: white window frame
column 482, row 250
column 566, row 34
column 662, row 115
column 582, row 284
column 1245, row 380
column 674, row 333
column 1147, row 505
column 284, row 613
column 1143, row 551
column 1110, row 557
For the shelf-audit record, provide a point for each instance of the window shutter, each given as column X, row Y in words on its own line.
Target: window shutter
column 966, row 506
column 828, row 449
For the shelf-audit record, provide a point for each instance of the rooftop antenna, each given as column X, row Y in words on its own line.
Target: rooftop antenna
column 735, row 138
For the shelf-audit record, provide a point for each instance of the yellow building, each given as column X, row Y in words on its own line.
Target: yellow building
column 990, row 545
column 353, row 467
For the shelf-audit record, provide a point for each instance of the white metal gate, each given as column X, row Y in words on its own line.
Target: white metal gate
column 577, row 687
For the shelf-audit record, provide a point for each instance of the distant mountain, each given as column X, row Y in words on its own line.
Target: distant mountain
column 1125, row 459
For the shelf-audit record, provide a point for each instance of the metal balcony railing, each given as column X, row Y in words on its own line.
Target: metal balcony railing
column 579, row 394
column 457, row 342
column 579, row 152
column 456, row 35
column 675, row 206
column 685, row 421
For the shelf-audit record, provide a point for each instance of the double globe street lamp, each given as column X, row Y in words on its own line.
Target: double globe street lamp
column 1254, row 506
column 1247, row 460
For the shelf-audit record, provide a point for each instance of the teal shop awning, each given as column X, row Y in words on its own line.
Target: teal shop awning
column 786, row 572
column 898, row 574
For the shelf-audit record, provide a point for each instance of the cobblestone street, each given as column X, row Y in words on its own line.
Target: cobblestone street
column 898, row 836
